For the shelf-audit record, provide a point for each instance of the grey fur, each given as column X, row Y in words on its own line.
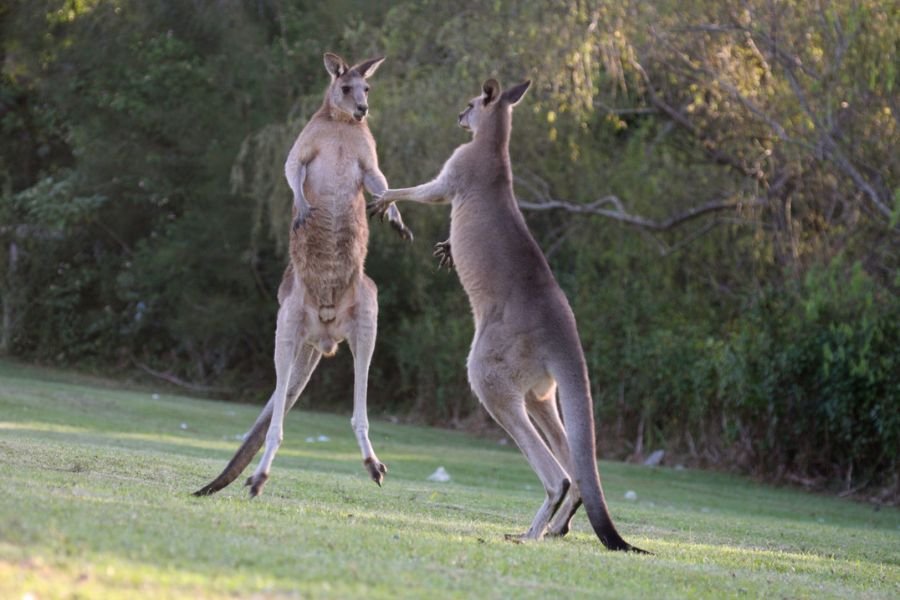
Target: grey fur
column 526, row 340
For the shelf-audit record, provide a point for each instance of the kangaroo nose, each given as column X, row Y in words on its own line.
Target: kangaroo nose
column 362, row 108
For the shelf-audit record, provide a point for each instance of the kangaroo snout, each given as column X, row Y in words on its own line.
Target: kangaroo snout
column 361, row 111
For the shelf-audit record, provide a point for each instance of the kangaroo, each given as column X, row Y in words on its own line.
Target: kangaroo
column 526, row 341
column 324, row 297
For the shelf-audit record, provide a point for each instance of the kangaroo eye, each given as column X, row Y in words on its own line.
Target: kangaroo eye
column 345, row 89
column 367, row 89
column 471, row 105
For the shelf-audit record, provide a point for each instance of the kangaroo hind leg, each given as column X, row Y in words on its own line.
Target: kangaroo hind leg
column 508, row 409
column 294, row 363
column 543, row 410
column 307, row 360
column 361, row 339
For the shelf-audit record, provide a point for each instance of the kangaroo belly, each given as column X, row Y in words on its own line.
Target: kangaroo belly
column 329, row 250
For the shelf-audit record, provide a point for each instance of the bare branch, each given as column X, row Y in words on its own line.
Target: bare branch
column 825, row 146
column 831, row 148
column 546, row 202
column 648, row 110
column 679, row 118
column 706, row 228
column 175, row 380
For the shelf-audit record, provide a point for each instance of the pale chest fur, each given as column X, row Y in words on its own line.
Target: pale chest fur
column 329, row 250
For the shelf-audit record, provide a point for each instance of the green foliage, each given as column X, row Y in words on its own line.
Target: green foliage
column 817, row 363
column 53, row 203
column 144, row 213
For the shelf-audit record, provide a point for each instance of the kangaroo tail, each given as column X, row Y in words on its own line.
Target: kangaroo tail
column 306, row 364
column 252, row 443
column 577, row 410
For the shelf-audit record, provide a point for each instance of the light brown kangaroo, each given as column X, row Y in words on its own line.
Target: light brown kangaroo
column 324, row 295
column 526, row 341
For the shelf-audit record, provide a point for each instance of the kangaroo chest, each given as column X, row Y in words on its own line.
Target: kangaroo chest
column 329, row 250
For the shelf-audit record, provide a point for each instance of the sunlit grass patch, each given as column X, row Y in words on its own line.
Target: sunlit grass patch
column 95, row 502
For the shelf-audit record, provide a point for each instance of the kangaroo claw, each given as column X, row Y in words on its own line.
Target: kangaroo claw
column 377, row 470
column 442, row 253
column 376, row 209
column 255, row 483
column 404, row 231
column 301, row 218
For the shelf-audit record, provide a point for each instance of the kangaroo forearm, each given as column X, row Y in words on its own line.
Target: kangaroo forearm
column 432, row 192
column 375, row 182
column 296, row 180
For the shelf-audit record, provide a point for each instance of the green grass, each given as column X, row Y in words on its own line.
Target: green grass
column 95, row 503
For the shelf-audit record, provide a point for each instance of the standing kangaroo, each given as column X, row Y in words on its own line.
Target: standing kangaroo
column 324, row 295
column 526, row 341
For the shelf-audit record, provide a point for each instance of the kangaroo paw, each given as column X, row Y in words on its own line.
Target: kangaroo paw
column 403, row 231
column 377, row 208
column 303, row 215
column 377, row 470
column 442, row 253
column 256, row 482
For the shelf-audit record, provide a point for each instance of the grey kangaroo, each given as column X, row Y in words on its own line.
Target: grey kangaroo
column 526, row 340
column 324, row 295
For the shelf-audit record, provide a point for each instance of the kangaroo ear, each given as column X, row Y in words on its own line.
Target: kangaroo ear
column 367, row 68
column 515, row 93
column 491, row 89
column 335, row 65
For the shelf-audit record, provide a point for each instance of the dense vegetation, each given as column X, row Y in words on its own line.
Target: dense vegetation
column 717, row 186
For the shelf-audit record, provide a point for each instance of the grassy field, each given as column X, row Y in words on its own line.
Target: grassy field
column 95, row 502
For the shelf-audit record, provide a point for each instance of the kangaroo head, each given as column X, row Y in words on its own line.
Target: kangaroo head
column 348, row 94
column 491, row 100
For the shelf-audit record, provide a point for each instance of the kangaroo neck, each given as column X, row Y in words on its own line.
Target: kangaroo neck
column 494, row 133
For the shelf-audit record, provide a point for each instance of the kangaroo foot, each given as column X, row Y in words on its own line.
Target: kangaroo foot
column 558, row 533
column 256, row 482
column 377, row 470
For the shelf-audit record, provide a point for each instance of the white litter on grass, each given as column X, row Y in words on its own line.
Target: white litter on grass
column 184, row 425
column 241, row 436
column 313, row 439
column 631, row 495
column 440, row 475
column 155, row 396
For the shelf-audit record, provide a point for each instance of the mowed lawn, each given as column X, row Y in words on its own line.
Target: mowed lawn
column 95, row 502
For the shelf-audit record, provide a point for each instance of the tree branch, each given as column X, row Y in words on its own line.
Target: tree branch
column 546, row 202
column 175, row 380
column 647, row 110
column 678, row 117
